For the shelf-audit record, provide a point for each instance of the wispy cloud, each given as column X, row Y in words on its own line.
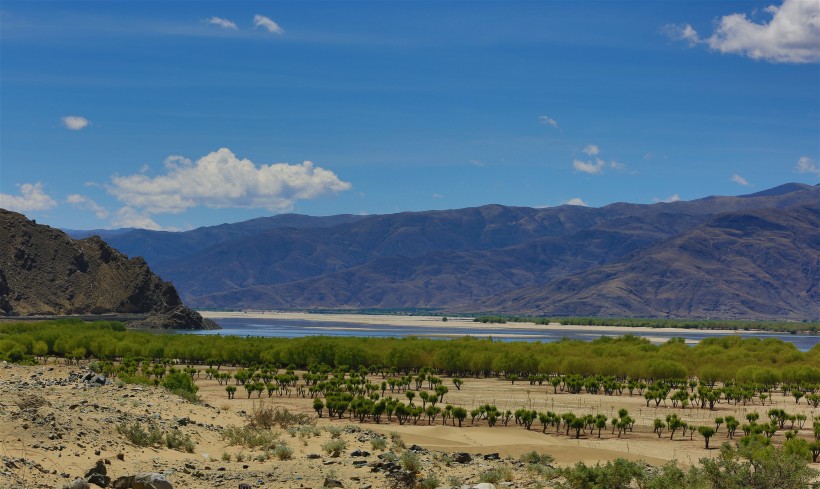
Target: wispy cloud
column 545, row 119
column 221, row 180
column 670, row 199
column 739, row 180
column 87, row 204
column 807, row 165
column 267, row 24
column 476, row 162
column 592, row 150
column 792, row 35
column 576, row 201
column 31, row 198
column 128, row 217
column 223, row 23
column 75, row 122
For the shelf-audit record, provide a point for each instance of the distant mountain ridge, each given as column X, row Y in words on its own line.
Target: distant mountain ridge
column 560, row 260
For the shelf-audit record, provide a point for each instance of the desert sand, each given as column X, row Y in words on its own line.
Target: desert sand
column 49, row 445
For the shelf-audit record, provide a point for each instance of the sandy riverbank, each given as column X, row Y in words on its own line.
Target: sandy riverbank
column 454, row 323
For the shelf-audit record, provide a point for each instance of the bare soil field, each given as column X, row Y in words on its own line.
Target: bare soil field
column 55, row 426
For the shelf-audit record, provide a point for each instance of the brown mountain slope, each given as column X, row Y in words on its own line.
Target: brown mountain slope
column 44, row 272
column 753, row 265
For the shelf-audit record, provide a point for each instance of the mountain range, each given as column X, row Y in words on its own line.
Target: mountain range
column 753, row 256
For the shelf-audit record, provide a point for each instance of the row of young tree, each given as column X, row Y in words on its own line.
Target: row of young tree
column 729, row 359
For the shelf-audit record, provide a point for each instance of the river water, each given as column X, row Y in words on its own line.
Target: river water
column 295, row 328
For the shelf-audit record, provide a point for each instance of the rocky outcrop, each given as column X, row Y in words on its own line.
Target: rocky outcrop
column 43, row 272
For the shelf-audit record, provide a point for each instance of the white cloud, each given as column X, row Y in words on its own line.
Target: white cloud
column 220, row 180
column 267, row 24
column 223, row 23
column 476, row 162
column 128, row 217
column 31, row 198
column 792, row 35
column 87, row 204
column 592, row 150
column 739, row 180
column 593, row 168
column 75, row 122
column 671, row 198
column 545, row 119
column 576, row 201
column 806, row 165
column 438, row 196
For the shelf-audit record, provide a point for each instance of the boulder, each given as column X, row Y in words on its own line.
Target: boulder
column 150, row 480
column 462, row 458
column 77, row 484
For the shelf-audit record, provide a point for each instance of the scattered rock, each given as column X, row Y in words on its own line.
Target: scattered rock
column 462, row 458
column 77, row 484
column 492, row 456
column 332, row 483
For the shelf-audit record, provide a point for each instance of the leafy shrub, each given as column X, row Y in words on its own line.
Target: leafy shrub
column 176, row 440
column 378, row 443
column 181, row 384
column 534, row 457
column 411, row 462
column 496, row 475
column 335, row 431
column 250, row 437
column 430, row 482
column 139, row 436
column 264, row 416
column 395, row 437
column 283, row 452
column 334, row 447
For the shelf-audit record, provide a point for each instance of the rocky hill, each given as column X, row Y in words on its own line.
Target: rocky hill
column 489, row 258
column 44, row 272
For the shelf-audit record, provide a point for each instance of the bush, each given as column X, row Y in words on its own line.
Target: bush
column 411, row 462
column 267, row 417
column 334, row 447
column 182, row 385
column 335, row 431
column 176, row 440
column 378, row 443
column 534, row 457
column 395, row 437
column 139, row 436
column 430, row 482
column 250, row 437
column 496, row 475
column 283, row 452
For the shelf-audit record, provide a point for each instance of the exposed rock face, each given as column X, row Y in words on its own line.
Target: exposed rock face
column 45, row 272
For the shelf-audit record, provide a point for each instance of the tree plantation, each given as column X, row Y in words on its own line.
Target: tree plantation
column 757, row 395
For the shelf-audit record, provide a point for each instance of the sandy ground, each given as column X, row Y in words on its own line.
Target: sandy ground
column 454, row 323
column 54, row 443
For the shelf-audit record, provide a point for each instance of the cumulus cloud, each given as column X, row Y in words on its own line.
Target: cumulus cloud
column 592, row 150
column 739, row 180
column 806, row 165
column 220, row 180
column 75, row 122
column 31, row 198
column 545, row 119
column 592, row 167
column 792, row 35
column 223, row 23
column 87, row 204
column 576, row 201
column 267, row 24
column 128, row 217
column 595, row 165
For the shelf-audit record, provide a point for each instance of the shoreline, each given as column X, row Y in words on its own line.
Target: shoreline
column 453, row 322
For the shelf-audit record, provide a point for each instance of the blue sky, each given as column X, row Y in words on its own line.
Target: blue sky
column 174, row 115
